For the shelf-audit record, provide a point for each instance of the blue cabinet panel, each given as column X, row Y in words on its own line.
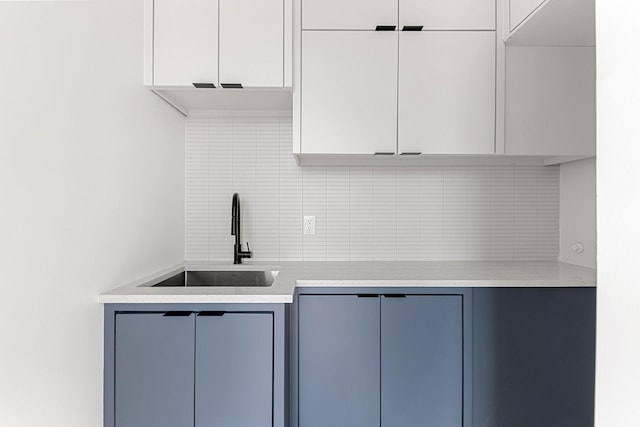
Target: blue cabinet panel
column 154, row 360
column 234, row 370
column 422, row 365
column 339, row 361
column 534, row 357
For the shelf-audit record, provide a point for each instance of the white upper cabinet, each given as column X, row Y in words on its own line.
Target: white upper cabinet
column 367, row 14
column 185, row 42
column 348, row 14
column 251, row 42
column 446, row 92
column 551, row 101
column 215, row 42
column 552, row 23
column 519, row 10
column 349, row 92
column 448, row 14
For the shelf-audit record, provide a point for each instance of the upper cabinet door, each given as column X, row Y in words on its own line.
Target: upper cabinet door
column 447, row 92
column 252, row 42
column 349, row 92
column 185, row 42
column 449, row 14
column 348, row 14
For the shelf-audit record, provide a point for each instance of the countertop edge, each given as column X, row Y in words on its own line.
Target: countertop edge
column 195, row 299
column 284, row 288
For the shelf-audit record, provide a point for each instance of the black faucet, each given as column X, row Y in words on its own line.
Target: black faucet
column 238, row 253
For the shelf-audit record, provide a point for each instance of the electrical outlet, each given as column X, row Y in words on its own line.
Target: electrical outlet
column 310, row 225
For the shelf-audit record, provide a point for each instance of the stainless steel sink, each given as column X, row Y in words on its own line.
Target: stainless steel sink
column 240, row 278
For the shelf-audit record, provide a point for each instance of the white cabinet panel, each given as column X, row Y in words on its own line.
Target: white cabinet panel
column 447, row 92
column 185, row 42
column 448, row 14
column 348, row 14
column 551, row 101
column 349, row 92
column 520, row 9
column 251, row 42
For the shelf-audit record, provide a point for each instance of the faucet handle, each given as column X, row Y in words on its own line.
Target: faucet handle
column 248, row 248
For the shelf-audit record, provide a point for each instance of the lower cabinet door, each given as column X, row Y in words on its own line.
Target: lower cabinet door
column 154, row 370
column 339, row 361
column 234, row 370
column 422, row 361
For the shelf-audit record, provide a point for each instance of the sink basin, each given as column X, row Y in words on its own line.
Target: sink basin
column 240, row 278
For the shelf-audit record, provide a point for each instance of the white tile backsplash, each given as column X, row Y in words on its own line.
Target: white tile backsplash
column 483, row 213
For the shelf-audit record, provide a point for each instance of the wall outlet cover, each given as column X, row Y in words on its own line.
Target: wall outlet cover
column 310, row 225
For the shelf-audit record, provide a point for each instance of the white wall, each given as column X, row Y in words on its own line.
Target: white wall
column 618, row 327
column 578, row 212
column 91, row 196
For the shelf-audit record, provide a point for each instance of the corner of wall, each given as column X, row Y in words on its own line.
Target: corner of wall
column 578, row 212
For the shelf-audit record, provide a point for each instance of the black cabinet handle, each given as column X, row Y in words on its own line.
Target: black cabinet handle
column 177, row 314
column 367, row 295
column 411, row 153
column 395, row 296
column 412, row 28
column 211, row 313
column 385, row 27
column 231, row 85
column 204, row 85
column 384, row 153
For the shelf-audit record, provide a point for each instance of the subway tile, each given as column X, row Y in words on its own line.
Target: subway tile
column 476, row 213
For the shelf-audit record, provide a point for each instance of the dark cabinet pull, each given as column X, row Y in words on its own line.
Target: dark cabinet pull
column 412, row 28
column 211, row 313
column 367, row 295
column 231, row 85
column 177, row 313
column 411, row 153
column 395, row 296
column 204, row 85
column 385, row 27
column 384, row 153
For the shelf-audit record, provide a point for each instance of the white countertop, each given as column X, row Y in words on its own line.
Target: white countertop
column 353, row 274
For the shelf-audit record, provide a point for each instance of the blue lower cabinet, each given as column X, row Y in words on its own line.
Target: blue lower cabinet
column 422, row 361
column 154, row 359
column 194, row 368
column 534, row 357
column 374, row 360
column 339, row 361
column 234, row 368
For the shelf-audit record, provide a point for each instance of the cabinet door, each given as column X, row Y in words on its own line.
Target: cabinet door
column 422, row 361
column 448, row 14
column 348, row 14
column 519, row 10
column 447, row 92
column 349, row 92
column 185, row 42
column 154, row 361
column 339, row 361
column 234, row 370
column 252, row 42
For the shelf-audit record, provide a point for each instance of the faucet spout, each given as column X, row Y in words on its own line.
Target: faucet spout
column 235, row 216
column 238, row 253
